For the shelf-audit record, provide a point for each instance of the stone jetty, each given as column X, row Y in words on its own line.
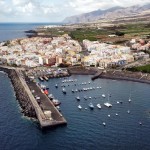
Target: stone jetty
column 48, row 117
column 21, row 95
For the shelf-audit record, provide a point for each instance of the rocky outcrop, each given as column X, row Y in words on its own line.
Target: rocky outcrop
column 21, row 95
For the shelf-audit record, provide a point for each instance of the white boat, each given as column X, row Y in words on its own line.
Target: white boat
column 50, row 96
column 64, row 90
column 99, row 106
column 90, row 97
column 118, row 102
column 76, row 90
column 56, row 85
column 78, row 98
column 37, row 97
column 129, row 100
column 104, row 124
column 103, row 95
column 128, row 111
column 108, row 115
column 91, row 105
column 107, row 104
column 80, row 107
column 116, row 114
column 58, row 108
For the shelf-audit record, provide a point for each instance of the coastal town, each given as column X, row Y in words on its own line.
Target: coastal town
column 74, row 75
column 63, row 50
column 31, row 61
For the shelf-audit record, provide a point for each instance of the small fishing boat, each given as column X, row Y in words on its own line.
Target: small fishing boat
column 91, row 105
column 107, row 104
column 78, row 98
column 58, row 107
column 80, row 107
column 118, row 102
column 56, row 102
column 116, row 114
column 129, row 100
column 76, row 90
column 99, row 106
column 128, row 111
column 64, row 90
column 108, row 115
column 50, row 96
column 41, row 79
column 104, row 124
column 43, row 86
column 56, row 85
column 103, row 95
column 45, row 77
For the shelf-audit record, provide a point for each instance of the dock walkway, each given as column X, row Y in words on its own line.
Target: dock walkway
column 45, row 104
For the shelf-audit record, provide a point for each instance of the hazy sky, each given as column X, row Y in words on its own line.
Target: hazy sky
column 54, row 10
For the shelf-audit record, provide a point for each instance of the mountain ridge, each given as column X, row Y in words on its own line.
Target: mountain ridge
column 111, row 13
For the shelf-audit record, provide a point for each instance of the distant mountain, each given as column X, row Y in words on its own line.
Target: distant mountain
column 109, row 14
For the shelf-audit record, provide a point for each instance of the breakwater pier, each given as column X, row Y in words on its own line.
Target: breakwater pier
column 45, row 112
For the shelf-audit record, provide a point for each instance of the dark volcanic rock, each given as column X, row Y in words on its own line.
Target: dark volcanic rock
column 21, row 95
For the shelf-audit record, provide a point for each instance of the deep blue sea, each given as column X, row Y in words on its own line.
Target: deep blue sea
column 85, row 130
column 9, row 31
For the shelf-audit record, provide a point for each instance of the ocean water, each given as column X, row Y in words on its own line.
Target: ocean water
column 9, row 31
column 84, row 130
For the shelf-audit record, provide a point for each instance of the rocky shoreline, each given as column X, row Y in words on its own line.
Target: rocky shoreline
column 82, row 71
column 26, row 106
column 127, row 76
column 111, row 74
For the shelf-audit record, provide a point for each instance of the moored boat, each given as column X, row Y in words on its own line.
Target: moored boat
column 78, row 98
column 41, row 79
column 46, row 92
column 91, row 106
column 45, row 77
column 56, row 102
column 50, row 96
column 79, row 106
column 103, row 95
column 64, row 90
column 56, row 85
column 107, row 104
column 99, row 106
